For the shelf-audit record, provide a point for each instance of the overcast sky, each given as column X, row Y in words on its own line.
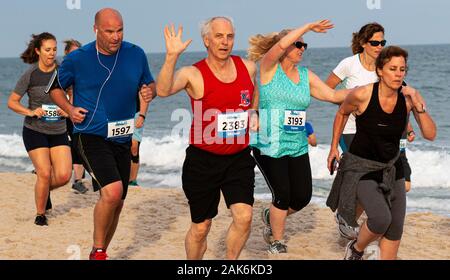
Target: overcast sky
column 407, row 22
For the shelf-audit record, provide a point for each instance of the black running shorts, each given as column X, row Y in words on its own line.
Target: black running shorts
column 106, row 161
column 34, row 140
column 206, row 174
column 76, row 159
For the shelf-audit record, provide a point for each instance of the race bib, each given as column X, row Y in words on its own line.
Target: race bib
column 232, row 124
column 51, row 113
column 402, row 145
column 294, row 120
column 120, row 128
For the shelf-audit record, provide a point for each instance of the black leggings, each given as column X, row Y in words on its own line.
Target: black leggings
column 380, row 218
column 289, row 179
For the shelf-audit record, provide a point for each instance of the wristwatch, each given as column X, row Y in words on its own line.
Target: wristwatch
column 423, row 109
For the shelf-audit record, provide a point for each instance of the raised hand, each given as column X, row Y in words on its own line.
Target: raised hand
column 417, row 101
column 174, row 44
column 321, row 26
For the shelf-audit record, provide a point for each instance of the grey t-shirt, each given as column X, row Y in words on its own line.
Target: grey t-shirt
column 34, row 82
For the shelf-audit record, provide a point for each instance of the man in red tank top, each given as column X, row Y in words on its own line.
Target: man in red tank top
column 218, row 158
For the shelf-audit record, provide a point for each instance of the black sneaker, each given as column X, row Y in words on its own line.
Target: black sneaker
column 79, row 187
column 277, row 247
column 49, row 205
column 41, row 220
column 351, row 253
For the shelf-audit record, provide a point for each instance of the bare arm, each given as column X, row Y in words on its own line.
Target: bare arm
column 143, row 105
column 416, row 103
column 352, row 103
column 168, row 83
column 15, row 105
column 333, row 80
column 76, row 114
column 323, row 92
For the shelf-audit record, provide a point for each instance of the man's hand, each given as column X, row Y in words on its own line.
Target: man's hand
column 77, row 114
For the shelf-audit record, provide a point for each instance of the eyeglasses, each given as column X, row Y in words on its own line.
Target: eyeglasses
column 377, row 43
column 300, row 44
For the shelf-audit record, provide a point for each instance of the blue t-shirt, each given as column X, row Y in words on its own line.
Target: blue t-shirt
column 309, row 129
column 82, row 70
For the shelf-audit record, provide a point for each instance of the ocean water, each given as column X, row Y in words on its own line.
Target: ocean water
column 166, row 128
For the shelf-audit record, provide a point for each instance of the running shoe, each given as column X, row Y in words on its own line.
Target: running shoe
column 351, row 253
column 267, row 235
column 345, row 230
column 79, row 187
column 133, row 183
column 265, row 216
column 277, row 247
column 41, row 220
column 98, row 255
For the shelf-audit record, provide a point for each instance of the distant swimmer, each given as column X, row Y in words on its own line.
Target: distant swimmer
column 107, row 75
column 44, row 128
column 218, row 159
column 371, row 173
column 281, row 146
column 77, row 164
column 354, row 71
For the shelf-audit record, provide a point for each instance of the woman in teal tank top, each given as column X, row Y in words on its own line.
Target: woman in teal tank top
column 281, row 145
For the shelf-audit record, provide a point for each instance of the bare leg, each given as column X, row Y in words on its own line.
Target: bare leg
column 42, row 165
column 365, row 237
column 78, row 171
column 389, row 249
column 61, row 160
column 113, row 226
column 134, row 166
column 239, row 230
column 196, row 242
column 105, row 213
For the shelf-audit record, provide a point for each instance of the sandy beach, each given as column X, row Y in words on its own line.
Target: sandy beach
column 154, row 222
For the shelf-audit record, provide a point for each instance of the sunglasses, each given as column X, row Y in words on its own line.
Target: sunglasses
column 300, row 44
column 377, row 43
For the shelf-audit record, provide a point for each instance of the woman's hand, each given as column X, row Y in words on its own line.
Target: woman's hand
column 321, row 26
column 38, row 112
column 334, row 154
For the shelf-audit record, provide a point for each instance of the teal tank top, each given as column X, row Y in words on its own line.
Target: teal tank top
column 282, row 115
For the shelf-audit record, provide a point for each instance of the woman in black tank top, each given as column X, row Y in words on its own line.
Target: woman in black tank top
column 381, row 111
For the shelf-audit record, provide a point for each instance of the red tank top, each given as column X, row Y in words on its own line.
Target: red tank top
column 220, row 122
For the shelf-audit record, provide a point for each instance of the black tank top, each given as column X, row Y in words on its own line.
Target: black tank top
column 378, row 134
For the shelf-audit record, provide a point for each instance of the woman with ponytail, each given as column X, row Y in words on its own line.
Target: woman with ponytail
column 281, row 145
column 44, row 129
